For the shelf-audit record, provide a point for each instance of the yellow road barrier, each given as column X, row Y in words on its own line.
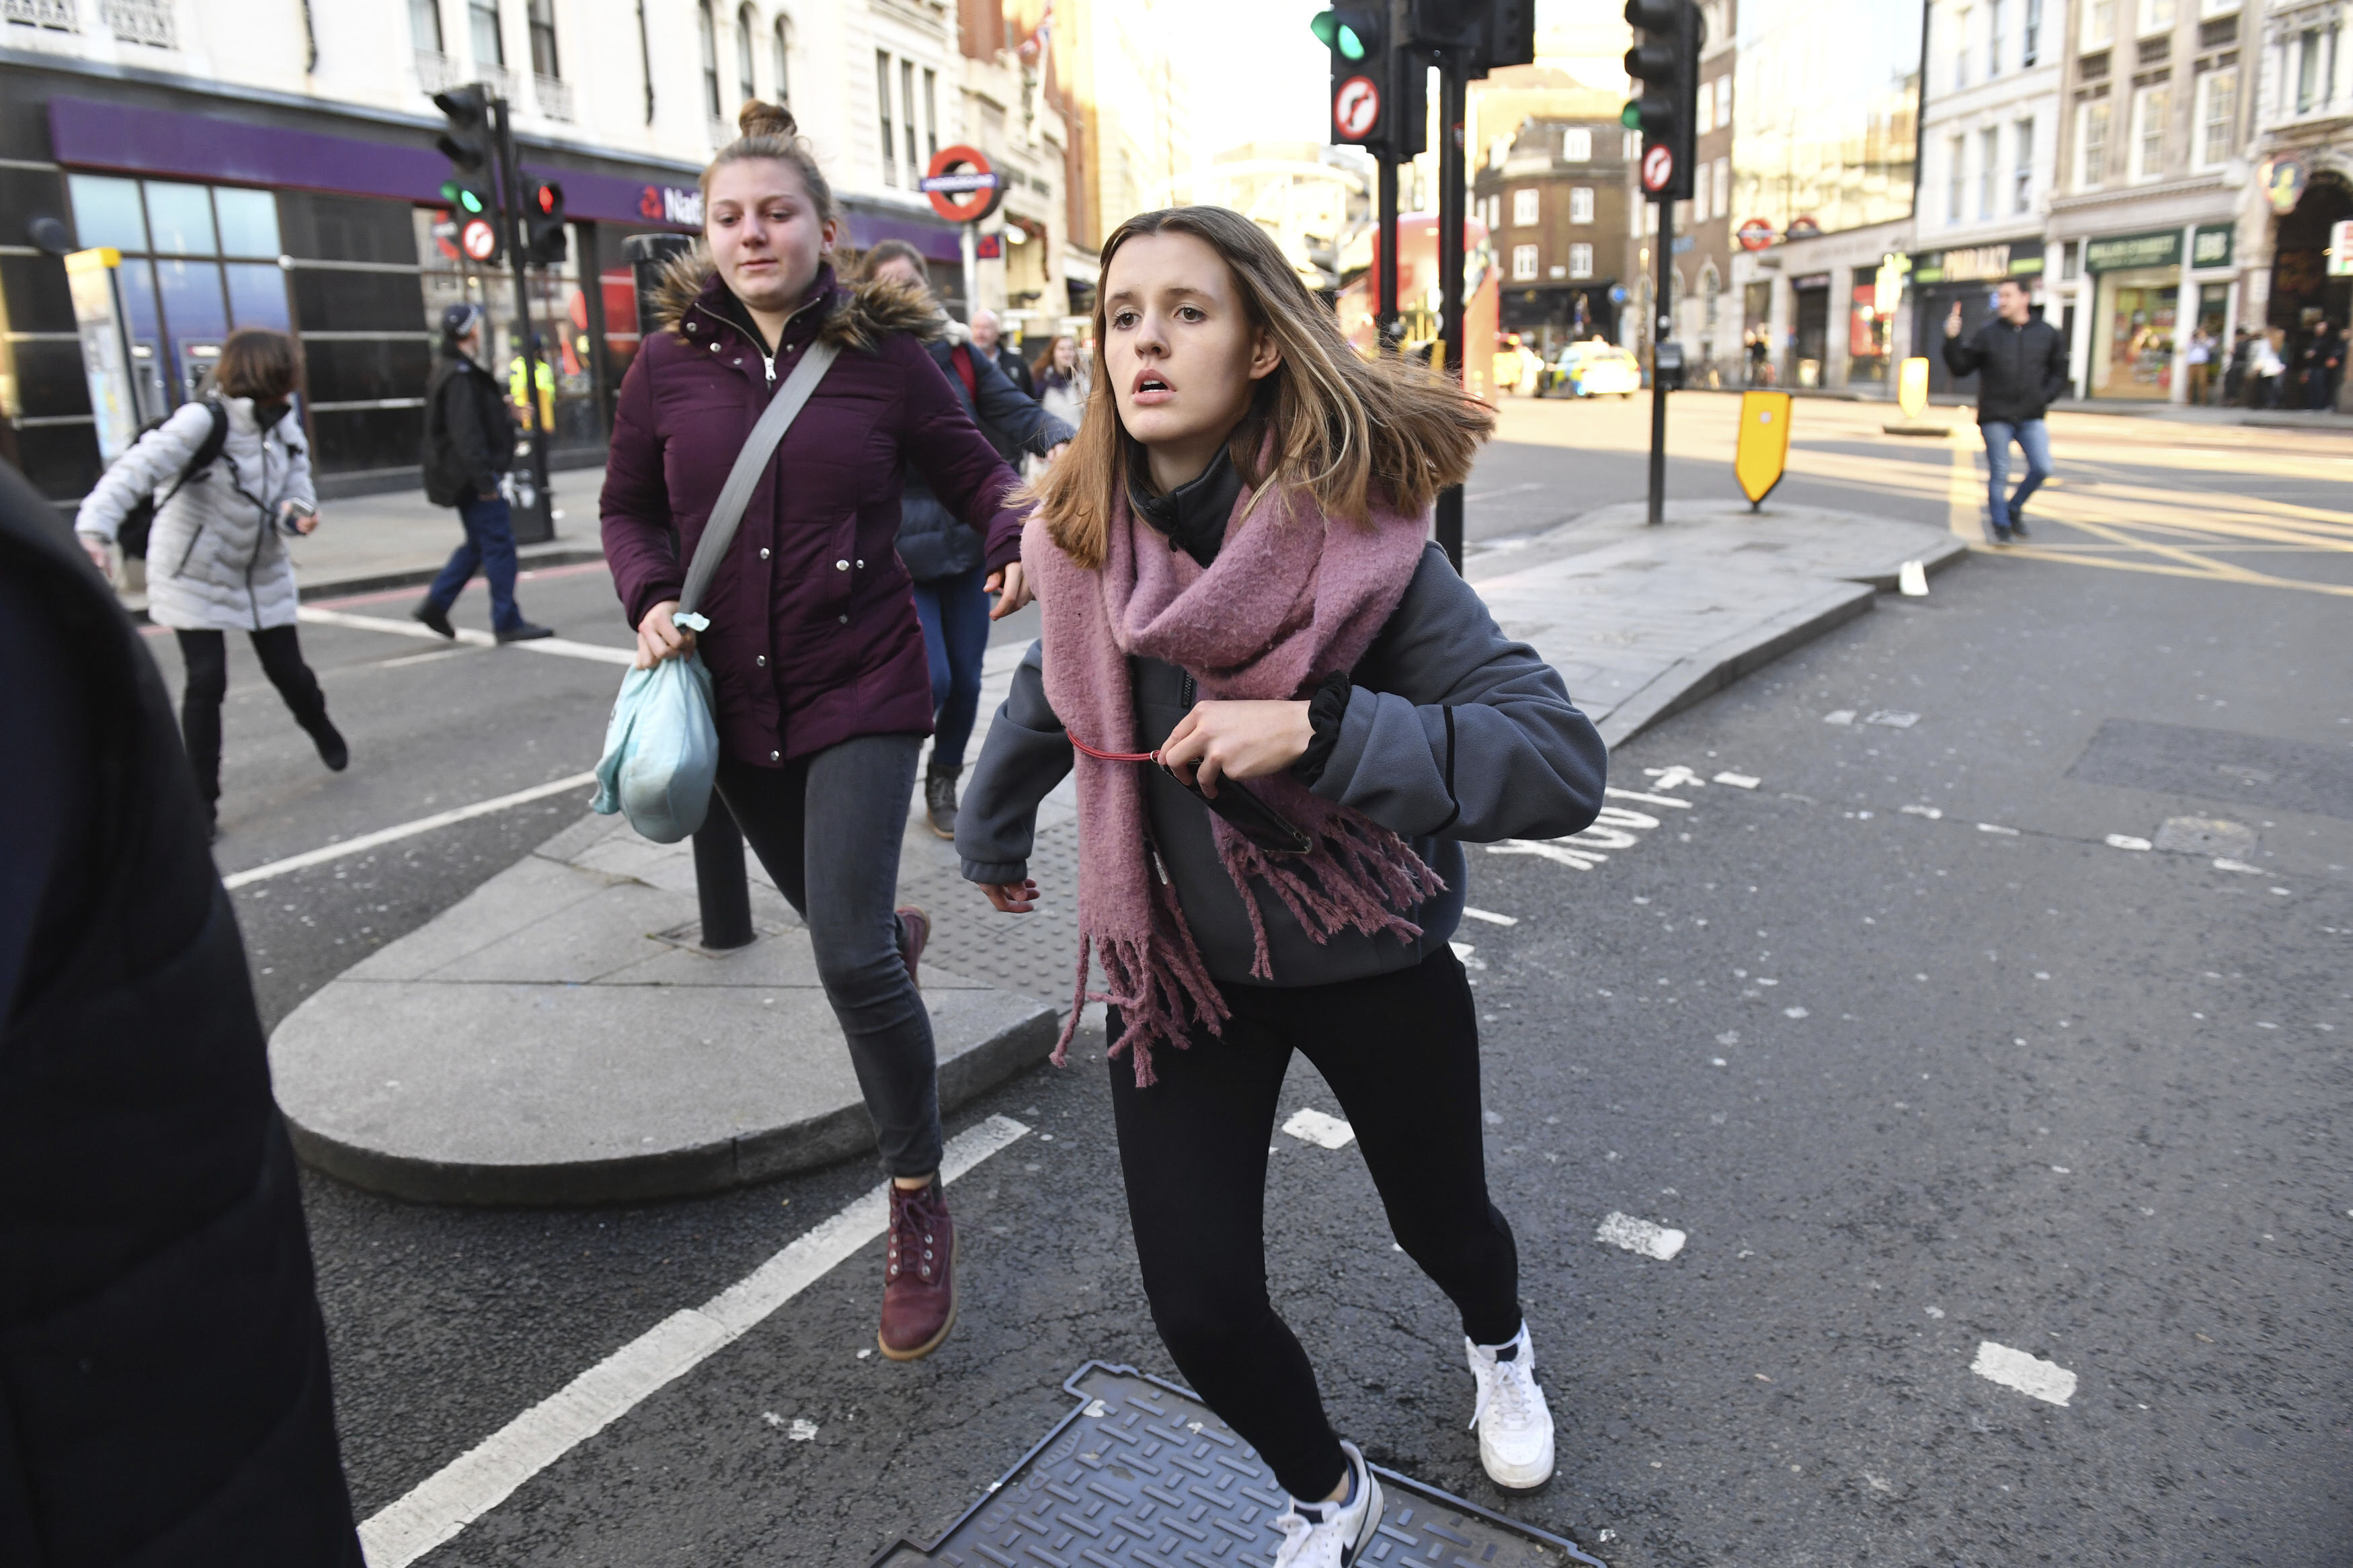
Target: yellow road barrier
column 1764, row 449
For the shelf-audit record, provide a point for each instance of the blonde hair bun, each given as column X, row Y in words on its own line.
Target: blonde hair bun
column 759, row 119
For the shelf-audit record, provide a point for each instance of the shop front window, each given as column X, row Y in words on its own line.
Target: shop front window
column 2132, row 347
column 199, row 262
column 1867, row 333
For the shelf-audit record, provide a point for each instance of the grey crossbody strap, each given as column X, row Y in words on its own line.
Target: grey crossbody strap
column 719, row 532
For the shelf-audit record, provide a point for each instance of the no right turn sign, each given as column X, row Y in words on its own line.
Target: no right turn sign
column 1658, row 169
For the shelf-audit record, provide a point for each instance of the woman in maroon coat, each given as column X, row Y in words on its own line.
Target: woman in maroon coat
column 817, row 659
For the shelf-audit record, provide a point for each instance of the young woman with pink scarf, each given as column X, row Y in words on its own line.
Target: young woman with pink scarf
column 1239, row 598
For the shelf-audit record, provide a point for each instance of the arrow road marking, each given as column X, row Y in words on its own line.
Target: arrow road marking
column 487, row 1474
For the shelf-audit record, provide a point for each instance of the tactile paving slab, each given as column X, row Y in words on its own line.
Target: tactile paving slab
column 1036, row 954
column 1142, row 1474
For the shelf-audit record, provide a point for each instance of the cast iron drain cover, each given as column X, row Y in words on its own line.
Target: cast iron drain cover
column 1141, row 1475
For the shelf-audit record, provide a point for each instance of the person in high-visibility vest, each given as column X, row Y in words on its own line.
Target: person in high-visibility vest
column 546, row 379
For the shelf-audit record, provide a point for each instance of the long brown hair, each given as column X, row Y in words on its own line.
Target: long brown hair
column 259, row 364
column 768, row 131
column 1347, row 430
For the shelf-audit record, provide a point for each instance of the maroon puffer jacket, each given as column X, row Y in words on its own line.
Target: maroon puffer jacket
column 813, row 633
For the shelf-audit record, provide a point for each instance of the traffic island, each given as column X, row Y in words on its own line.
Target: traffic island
column 561, row 1037
column 1141, row 1473
column 1643, row 622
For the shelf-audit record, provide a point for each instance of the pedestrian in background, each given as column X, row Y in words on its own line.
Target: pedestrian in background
column 942, row 555
column 216, row 557
column 1245, row 518
column 2198, row 355
column 469, row 445
column 2323, row 359
column 2022, row 365
column 164, row 1391
column 2266, row 369
column 2234, row 373
column 988, row 337
column 816, row 659
column 1061, row 381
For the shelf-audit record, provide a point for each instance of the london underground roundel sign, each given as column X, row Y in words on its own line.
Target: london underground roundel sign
column 1356, row 107
column 1756, row 233
column 962, row 187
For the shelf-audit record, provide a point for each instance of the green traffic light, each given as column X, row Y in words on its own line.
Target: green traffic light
column 1631, row 117
column 469, row 201
column 1335, row 34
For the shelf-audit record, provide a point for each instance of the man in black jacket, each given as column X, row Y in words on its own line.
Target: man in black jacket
column 988, row 337
column 2022, row 366
column 470, row 442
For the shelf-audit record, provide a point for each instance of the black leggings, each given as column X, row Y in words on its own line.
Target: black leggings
column 206, row 655
column 1401, row 1051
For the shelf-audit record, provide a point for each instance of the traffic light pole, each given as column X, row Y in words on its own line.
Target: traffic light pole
column 1451, row 91
column 1662, row 324
column 541, row 527
column 1384, row 320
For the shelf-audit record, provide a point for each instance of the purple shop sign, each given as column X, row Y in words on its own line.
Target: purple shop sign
column 91, row 135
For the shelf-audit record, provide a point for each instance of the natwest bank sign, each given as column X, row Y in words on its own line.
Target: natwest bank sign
column 669, row 203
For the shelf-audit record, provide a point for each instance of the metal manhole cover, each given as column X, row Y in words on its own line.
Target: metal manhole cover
column 1142, row 1475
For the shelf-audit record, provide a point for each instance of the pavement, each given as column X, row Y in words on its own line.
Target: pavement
column 560, row 1035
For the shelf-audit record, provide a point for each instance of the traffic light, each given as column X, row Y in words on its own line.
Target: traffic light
column 544, row 242
column 1358, row 36
column 467, row 142
column 1666, row 63
column 1485, row 34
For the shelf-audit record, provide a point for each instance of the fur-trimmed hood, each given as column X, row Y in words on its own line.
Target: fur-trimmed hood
column 857, row 316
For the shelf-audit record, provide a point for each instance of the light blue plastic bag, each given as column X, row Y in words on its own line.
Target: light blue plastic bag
column 661, row 749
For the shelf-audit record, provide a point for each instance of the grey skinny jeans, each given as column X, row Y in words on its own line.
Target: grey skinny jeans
column 827, row 827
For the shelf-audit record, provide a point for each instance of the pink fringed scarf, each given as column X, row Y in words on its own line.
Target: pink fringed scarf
column 1291, row 597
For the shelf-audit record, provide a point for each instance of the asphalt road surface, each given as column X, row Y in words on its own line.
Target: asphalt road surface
column 1916, row 1057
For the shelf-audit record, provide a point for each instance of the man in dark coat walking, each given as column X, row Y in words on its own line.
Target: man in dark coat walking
column 988, row 337
column 2021, row 364
column 470, row 442
column 163, row 1387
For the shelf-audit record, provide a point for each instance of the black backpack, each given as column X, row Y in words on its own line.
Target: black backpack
column 140, row 520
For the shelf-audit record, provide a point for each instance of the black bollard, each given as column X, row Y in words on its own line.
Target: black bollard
column 720, row 883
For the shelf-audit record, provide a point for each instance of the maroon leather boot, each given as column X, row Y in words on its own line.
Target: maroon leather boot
column 919, row 1302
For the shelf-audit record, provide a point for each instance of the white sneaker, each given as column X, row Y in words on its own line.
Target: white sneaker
column 1332, row 1534
column 1514, row 1422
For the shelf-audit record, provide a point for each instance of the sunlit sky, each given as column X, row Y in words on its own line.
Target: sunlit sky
column 1256, row 73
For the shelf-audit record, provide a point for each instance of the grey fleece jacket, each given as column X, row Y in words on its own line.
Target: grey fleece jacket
column 1453, row 734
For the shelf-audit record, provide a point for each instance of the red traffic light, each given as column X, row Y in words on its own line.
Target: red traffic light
column 547, row 198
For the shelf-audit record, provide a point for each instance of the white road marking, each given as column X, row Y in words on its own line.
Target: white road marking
column 1640, row 1235
column 803, row 1430
column 1667, row 800
column 1997, row 827
column 1738, row 781
column 1672, row 777
column 1839, row 716
column 1490, row 917
column 1893, row 720
column 486, row 1475
column 1582, row 861
column 430, row 656
column 366, row 841
column 1463, row 950
column 2044, row 1380
column 2228, row 865
column 1312, row 1126
column 1930, row 811
column 2127, row 841
column 560, row 647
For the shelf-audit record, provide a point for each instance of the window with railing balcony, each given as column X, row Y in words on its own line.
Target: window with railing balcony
column 145, row 22
column 57, row 15
column 553, row 97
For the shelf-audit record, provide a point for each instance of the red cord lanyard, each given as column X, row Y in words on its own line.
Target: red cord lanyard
column 1114, row 756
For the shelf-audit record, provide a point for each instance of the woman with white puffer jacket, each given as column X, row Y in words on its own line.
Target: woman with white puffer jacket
column 216, row 557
